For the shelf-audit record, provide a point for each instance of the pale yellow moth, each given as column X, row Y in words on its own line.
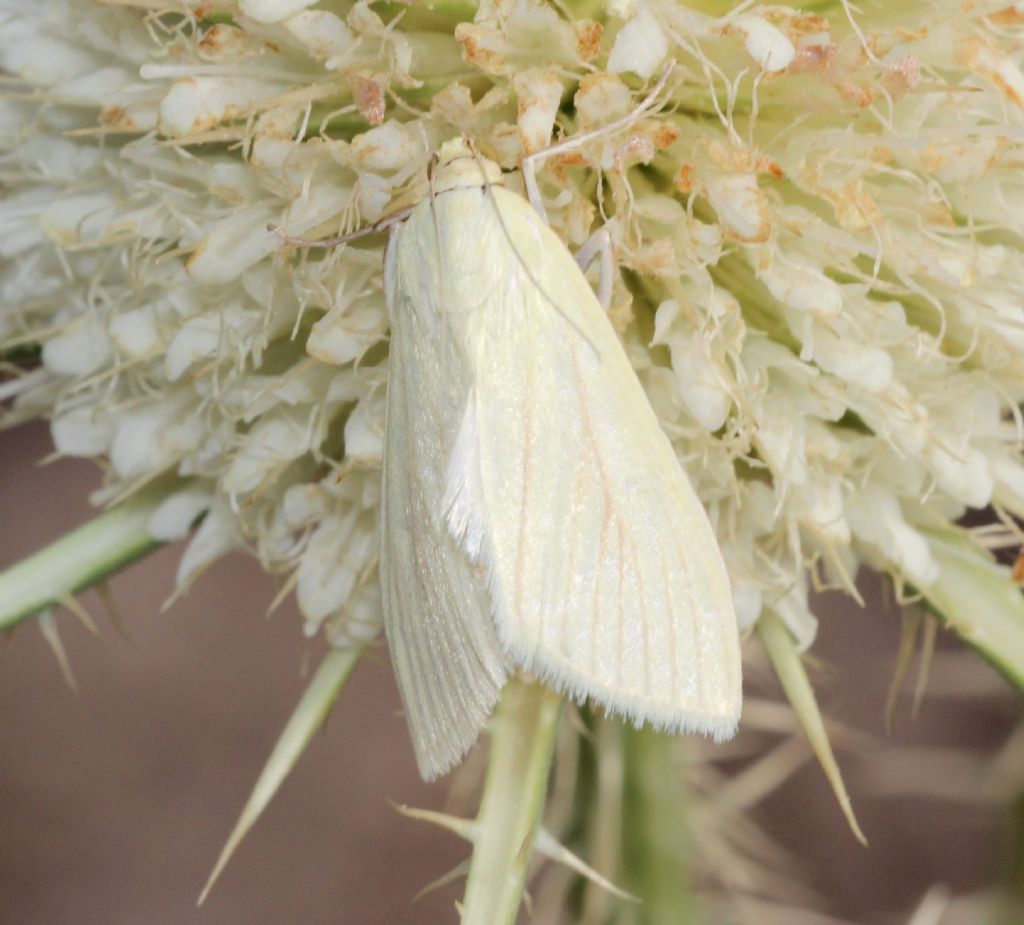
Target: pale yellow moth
column 535, row 516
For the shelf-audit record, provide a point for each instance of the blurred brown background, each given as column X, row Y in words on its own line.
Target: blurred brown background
column 115, row 803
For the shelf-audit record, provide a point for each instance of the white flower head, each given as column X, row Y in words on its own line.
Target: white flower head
column 817, row 234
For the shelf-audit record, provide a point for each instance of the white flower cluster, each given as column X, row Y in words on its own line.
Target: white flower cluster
column 818, row 238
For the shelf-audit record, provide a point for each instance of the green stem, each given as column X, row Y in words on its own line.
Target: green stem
column 1011, row 901
column 522, row 743
column 605, row 820
column 657, row 848
column 78, row 559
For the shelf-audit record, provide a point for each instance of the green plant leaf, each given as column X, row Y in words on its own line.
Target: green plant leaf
column 978, row 599
column 785, row 659
column 313, row 707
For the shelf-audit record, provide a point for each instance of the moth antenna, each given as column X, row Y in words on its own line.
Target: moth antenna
column 381, row 224
column 432, row 192
column 489, row 192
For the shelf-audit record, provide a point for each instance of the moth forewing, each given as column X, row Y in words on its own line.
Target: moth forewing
column 445, row 653
column 536, row 517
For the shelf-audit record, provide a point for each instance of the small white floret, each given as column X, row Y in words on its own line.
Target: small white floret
column 766, row 44
column 174, row 516
column 81, row 432
column 272, row 10
column 640, row 46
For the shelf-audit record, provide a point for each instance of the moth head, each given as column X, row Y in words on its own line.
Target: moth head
column 458, row 164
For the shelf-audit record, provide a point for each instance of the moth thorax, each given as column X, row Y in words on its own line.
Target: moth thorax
column 458, row 165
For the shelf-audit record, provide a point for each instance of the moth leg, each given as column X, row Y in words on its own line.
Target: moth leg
column 530, row 182
column 600, row 243
column 531, row 161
